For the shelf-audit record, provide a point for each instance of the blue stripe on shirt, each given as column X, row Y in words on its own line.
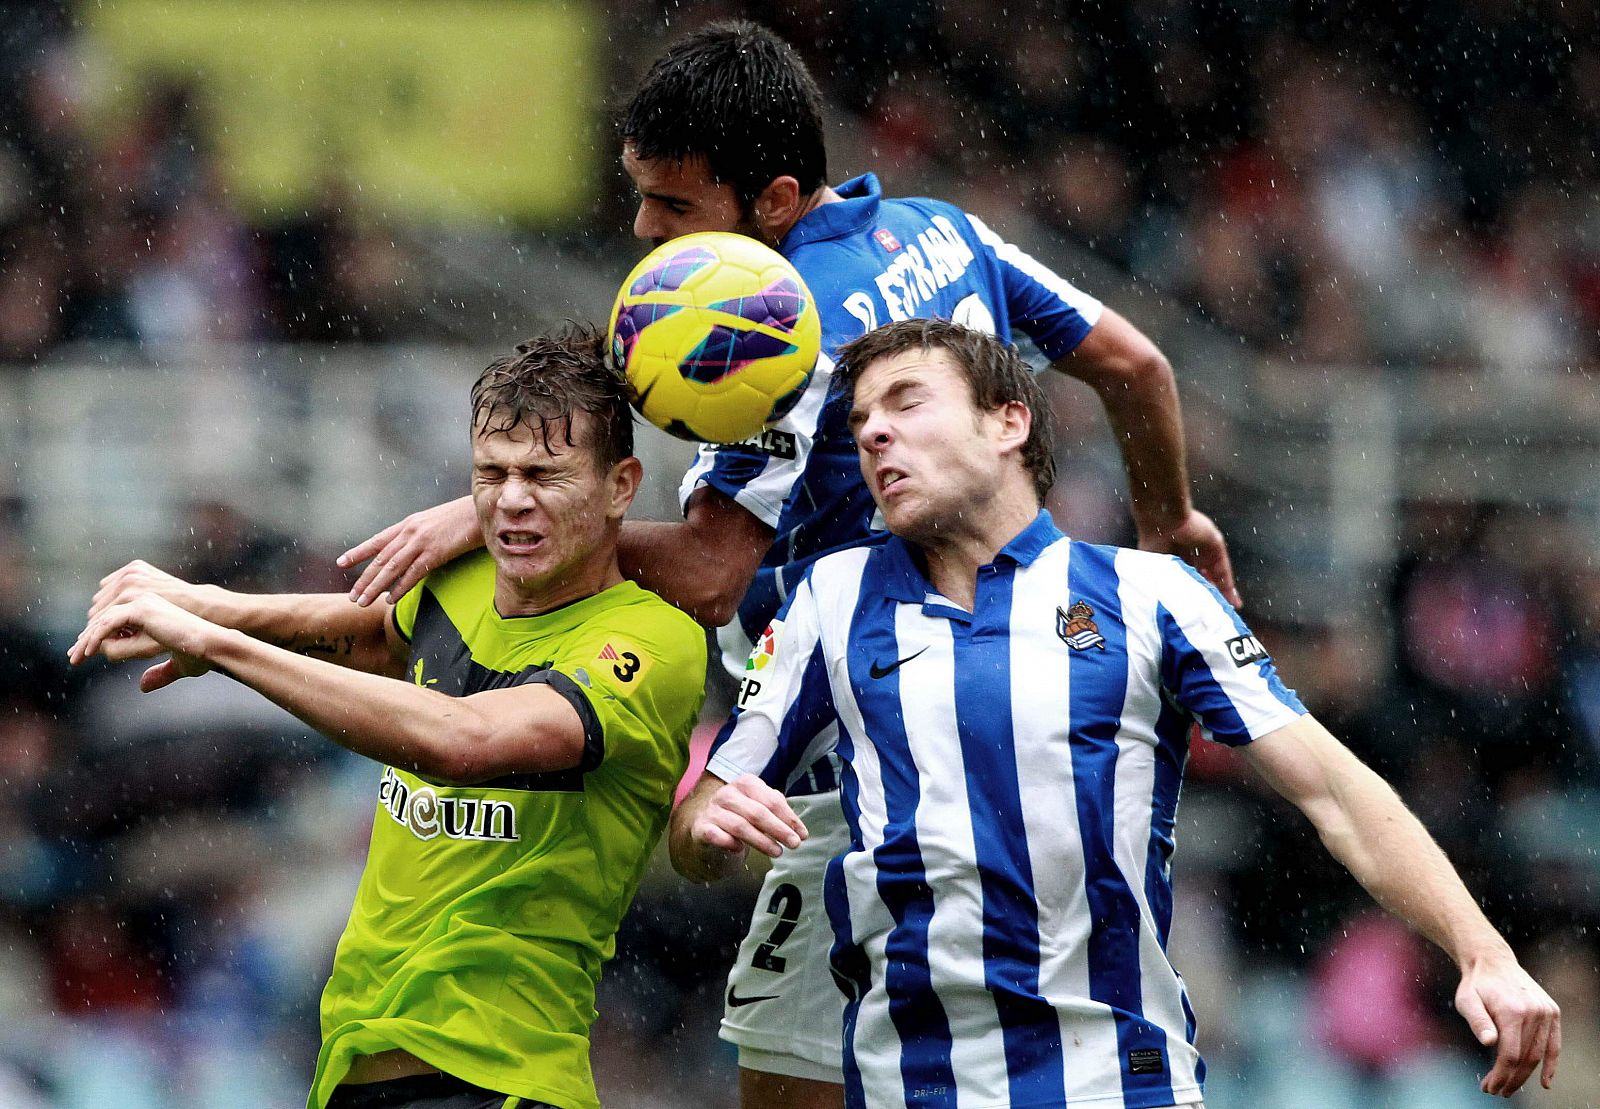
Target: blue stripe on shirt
column 851, row 966
column 1172, row 751
column 809, row 712
column 914, row 1008
column 1097, row 679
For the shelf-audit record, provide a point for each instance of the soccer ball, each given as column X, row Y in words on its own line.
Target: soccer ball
column 717, row 334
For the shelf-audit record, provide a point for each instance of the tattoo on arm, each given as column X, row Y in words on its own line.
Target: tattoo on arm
column 337, row 646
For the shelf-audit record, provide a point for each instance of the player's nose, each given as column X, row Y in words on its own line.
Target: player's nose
column 648, row 227
column 873, row 432
column 516, row 497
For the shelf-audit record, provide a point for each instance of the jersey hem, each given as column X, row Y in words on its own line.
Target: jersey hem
column 1181, row 1097
column 559, row 1099
column 1275, row 723
column 724, row 769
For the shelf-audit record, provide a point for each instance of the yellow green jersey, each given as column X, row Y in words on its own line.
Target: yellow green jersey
column 485, row 911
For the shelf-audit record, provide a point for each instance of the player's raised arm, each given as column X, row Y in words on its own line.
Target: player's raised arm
column 1366, row 826
column 703, row 563
column 452, row 739
column 322, row 626
column 402, row 554
column 1136, row 385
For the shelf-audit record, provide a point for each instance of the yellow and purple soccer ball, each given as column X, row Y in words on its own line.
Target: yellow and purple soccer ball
column 717, row 334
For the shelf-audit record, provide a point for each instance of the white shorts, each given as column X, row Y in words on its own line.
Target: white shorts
column 782, row 1008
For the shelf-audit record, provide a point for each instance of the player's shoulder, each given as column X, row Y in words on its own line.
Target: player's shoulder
column 848, row 562
column 458, row 587
column 631, row 607
column 1166, row 578
column 471, row 574
column 640, row 638
column 1134, row 568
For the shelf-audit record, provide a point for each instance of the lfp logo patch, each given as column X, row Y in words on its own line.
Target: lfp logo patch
column 764, row 648
column 759, row 660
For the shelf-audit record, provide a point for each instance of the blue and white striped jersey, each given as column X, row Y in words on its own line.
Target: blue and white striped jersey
column 869, row 260
column 1010, row 778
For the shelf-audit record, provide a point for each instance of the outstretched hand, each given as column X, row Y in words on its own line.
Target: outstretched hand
column 1198, row 542
column 747, row 812
column 138, row 578
column 1507, row 1010
column 143, row 627
column 403, row 554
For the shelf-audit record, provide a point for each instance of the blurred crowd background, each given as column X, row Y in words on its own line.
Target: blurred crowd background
column 1310, row 208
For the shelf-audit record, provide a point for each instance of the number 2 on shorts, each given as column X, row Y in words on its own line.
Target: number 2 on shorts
column 785, row 905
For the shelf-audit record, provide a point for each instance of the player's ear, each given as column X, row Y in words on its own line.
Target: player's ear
column 1015, row 422
column 622, row 485
column 778, row 206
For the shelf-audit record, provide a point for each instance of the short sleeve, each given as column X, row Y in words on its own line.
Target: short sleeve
column 1045, row 306
column 1214, row 667
column 636, row 676
column 759, row 474
column 784, row 713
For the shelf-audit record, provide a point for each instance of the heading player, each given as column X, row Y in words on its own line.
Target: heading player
column 532, row 709
column 725, row 133
column 1013, row 711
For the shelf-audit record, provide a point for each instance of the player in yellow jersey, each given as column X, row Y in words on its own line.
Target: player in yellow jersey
column 531, row 710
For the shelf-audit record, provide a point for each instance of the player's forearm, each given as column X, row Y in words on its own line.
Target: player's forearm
column 383, row 718
column 701, row 571
column 325, row 626
column 1366, row 826
column 1142, row 408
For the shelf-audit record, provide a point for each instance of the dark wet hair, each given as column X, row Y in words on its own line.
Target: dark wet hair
column 992, row 367
column 546, row 381
column 738, row 95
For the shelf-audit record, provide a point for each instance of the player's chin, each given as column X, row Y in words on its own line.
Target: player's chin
column 526, row 566
column 909, row 519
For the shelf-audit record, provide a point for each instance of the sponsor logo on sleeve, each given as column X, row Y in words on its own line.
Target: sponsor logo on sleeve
column 779, row 444
column 1077, row 628
column 1245, row 649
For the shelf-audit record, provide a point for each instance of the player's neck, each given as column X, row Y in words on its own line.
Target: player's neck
column 955, row 555
column 518, row 598
column 824, row 195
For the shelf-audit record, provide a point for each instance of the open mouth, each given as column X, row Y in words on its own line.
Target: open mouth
column 519, row 542
column 888, row 478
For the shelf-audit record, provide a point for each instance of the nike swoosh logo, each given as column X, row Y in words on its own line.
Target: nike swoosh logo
column 884, row 671
column 734, row 1000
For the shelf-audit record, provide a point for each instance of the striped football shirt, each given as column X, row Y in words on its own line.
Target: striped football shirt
column 1010, row 778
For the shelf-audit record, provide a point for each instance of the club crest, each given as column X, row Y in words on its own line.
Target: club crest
column 1077, row 628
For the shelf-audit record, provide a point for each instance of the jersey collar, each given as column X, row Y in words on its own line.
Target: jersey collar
column 856, row 209
column 571, row 614
column 905, row 581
